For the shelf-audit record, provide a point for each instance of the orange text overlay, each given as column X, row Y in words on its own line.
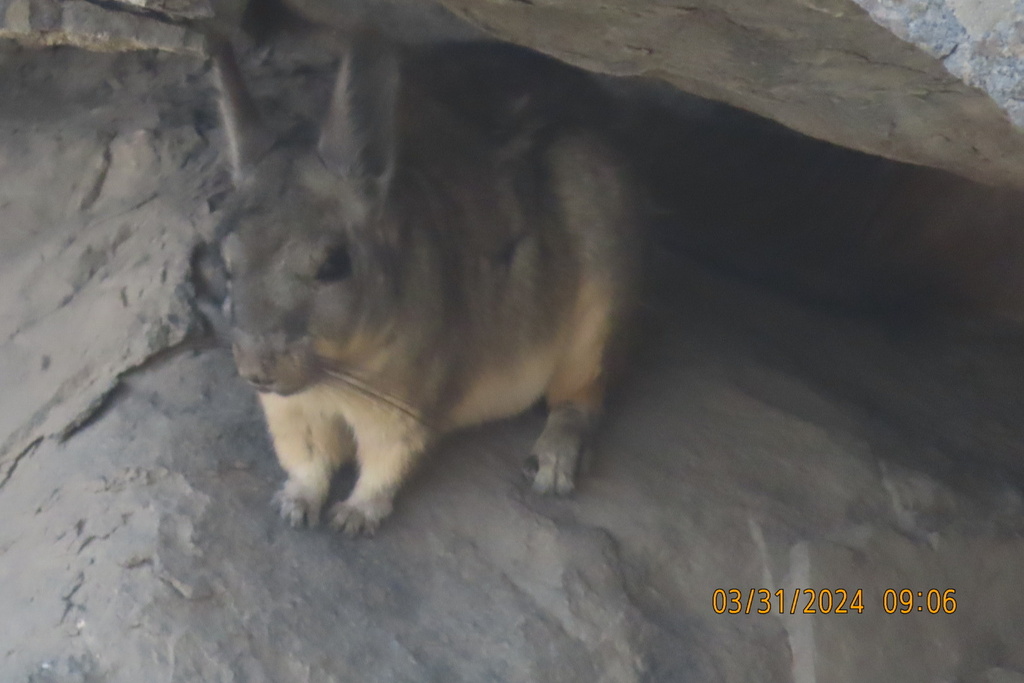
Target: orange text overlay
column 830, row 601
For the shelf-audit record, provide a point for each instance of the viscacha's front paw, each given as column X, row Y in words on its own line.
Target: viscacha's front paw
column 553, row 466
column 560, row 452
column 358, row 518
column 297, row 506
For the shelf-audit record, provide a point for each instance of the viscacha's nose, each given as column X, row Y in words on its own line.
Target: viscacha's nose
column 255, row 360
column 253, row 369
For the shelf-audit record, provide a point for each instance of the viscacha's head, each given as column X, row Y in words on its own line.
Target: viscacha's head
column 299, row 268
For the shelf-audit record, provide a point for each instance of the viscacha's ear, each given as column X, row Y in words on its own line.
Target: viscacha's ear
column 248, row 139
column 358, row 137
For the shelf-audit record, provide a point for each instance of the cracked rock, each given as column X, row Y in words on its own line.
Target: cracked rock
column 821, row 67
column 111, row 257
column 92, row 26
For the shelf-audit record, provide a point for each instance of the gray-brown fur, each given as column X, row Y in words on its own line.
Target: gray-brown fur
column 459, row 243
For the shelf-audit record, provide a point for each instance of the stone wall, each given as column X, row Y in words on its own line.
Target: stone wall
column 932, row 82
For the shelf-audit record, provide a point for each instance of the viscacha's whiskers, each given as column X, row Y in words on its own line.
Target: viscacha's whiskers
column 360, row 385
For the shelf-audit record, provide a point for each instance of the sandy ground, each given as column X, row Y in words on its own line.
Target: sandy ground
column 760, row 444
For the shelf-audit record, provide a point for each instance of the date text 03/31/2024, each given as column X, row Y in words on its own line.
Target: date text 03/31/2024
column 830, row 601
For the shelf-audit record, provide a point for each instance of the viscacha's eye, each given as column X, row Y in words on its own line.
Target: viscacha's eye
column 336, row 267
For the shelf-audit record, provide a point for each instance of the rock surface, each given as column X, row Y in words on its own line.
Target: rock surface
column 93, row 26
column 821, row 67
column 95, row 243
column 824, row 67
column 980, row 42
column 759, row 444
